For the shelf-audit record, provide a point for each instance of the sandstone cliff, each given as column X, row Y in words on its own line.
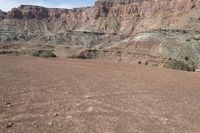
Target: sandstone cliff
column 163, row 28
column 109, row 16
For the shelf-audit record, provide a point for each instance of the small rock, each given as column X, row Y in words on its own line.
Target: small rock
column 50, row 123
column 67, row 92
column 33, row 123
column 9, row 125
column 165, row 121
column 90, row 109
column 55, row 114
column 69, row 117
column 88, row 96
column 8, row 103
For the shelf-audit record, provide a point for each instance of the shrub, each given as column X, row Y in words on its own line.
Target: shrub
column 44, row 54
column 139, row 62
column 177, row 65
column 47, row 54
column 13, row 53
column 77, row 57
column 36, row 54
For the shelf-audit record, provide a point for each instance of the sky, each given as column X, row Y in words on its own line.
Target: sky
column 6, row 5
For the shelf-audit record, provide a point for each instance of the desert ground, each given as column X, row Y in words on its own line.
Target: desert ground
column 86, row 96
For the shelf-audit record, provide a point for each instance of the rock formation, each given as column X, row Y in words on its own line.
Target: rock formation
column 110, row 16
column 111, row 24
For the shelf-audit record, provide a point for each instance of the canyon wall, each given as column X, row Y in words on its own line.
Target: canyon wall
column 107, row 16
column 145, row 30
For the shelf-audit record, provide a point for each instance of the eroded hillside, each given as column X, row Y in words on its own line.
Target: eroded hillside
column 161, row 29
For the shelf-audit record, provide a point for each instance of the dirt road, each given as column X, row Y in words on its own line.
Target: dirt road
column 80, row 96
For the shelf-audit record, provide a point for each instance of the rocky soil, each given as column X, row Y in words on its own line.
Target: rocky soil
column 72, row 95
column 59, row 95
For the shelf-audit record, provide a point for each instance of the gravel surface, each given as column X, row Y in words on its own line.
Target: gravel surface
column 85, row 96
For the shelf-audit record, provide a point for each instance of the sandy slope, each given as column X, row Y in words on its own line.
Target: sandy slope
column 81, row 96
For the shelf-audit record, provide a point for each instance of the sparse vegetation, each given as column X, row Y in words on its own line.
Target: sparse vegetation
column 187, row 58
column 139, row 62
column 77, row 57
column 87, row 54
column 6, row 31
column 177, row 65
column 43, row 54
column 13, row 53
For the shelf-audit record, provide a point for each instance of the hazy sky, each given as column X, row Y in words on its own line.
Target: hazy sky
column 6, row 5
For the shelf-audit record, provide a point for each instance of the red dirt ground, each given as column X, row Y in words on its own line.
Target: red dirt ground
column 81, row 96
